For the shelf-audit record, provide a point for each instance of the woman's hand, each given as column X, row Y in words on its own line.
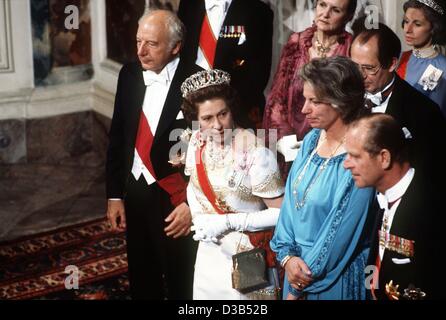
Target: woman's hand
column 208, row 227
column 299, row 275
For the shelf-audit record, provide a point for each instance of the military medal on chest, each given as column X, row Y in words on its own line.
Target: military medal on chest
column 232, row 31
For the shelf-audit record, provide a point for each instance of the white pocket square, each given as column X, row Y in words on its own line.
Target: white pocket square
column 180, row 115
column 401, row 261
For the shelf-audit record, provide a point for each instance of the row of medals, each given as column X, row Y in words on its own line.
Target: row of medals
column 232, row 31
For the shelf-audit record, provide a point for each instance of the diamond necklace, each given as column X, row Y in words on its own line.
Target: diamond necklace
column 300, row 204
column 215, row 154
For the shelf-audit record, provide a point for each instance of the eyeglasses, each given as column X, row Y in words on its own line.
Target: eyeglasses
column 368, row 70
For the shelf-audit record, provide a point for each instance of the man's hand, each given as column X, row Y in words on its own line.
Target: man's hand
column 116, row 215
column 299, row 275
column 179, row 221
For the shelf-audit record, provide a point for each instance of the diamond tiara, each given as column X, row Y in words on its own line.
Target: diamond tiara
column 433, row 5
column 203, row 79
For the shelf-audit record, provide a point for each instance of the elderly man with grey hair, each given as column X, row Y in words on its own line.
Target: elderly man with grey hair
column 146, row 195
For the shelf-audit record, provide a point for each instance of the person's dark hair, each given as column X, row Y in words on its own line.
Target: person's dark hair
column 389, row 45
column 384, row 132
column 221, row 91
column 338, row 81
column 351, row 9
column 437, row 20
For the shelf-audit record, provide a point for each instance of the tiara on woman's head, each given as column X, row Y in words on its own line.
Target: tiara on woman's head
column 433, row 5
column 203, row 79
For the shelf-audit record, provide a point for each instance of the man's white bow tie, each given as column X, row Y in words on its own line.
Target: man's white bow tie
column 210, row 4
column 382, row 201
column 150, row 77
column 375, row 98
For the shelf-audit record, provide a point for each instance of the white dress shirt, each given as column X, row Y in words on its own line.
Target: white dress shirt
column 377, row 99
column 157, row 87
column 216, row 11
column 393, row 195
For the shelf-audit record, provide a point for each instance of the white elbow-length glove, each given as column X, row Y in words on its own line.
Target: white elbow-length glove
column 288, row 148
column 208, row 227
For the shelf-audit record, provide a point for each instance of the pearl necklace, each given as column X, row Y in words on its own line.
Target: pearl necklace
column 300, row 204
column 425, row 53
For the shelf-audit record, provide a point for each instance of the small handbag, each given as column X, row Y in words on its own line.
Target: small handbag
column 249, row 270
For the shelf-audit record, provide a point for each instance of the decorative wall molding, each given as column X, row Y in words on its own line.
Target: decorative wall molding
column 6, row 49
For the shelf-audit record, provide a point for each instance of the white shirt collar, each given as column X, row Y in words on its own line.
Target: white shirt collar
column 397, row 191
column 210, row 4
column 164, row 77
column 376, row 98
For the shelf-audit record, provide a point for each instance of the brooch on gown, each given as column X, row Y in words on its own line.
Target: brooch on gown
column 430, row 78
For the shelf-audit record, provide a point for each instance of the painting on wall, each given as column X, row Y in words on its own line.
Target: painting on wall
column 61, row 54
column 41, row 40
column 70, row 47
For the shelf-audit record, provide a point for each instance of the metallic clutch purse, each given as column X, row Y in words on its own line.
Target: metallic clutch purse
column 249, row 270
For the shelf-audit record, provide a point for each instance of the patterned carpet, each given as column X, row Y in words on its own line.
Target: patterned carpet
column 34, row 267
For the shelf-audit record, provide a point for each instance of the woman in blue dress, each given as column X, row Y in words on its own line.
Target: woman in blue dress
column 318, row 238
column 424, row 67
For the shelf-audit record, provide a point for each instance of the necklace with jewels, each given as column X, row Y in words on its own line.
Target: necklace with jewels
column 215, row 154
column 323, row 50
column 301, row 203
column 425, row 53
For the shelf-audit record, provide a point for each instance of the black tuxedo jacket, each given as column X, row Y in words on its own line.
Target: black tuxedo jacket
column 417, row 218
column 427, row 125
column 251, row 77
column 128, row 105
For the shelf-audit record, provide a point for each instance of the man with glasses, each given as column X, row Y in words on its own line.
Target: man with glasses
column 376, row 52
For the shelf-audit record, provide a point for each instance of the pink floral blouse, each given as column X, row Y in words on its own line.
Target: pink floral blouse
column 286, row 100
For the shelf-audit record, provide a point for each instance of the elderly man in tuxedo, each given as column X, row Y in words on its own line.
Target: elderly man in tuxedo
column 406, row 239
column 146, row 195
column 234, row 36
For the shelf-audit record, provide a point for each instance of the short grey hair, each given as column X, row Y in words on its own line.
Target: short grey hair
column 338, row 81
column 176, row 28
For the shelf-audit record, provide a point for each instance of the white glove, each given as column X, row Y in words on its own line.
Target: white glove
column 208, row 227
column 254, row 221
column 288, row 146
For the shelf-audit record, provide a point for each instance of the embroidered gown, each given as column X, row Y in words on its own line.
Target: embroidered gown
column 326, row 231
column 415, row 70
column 242, row 180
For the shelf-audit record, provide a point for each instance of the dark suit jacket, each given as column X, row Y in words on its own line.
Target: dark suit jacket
column 251, row 78
column 417, row 218
column 423, row 118
column 128, row 105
